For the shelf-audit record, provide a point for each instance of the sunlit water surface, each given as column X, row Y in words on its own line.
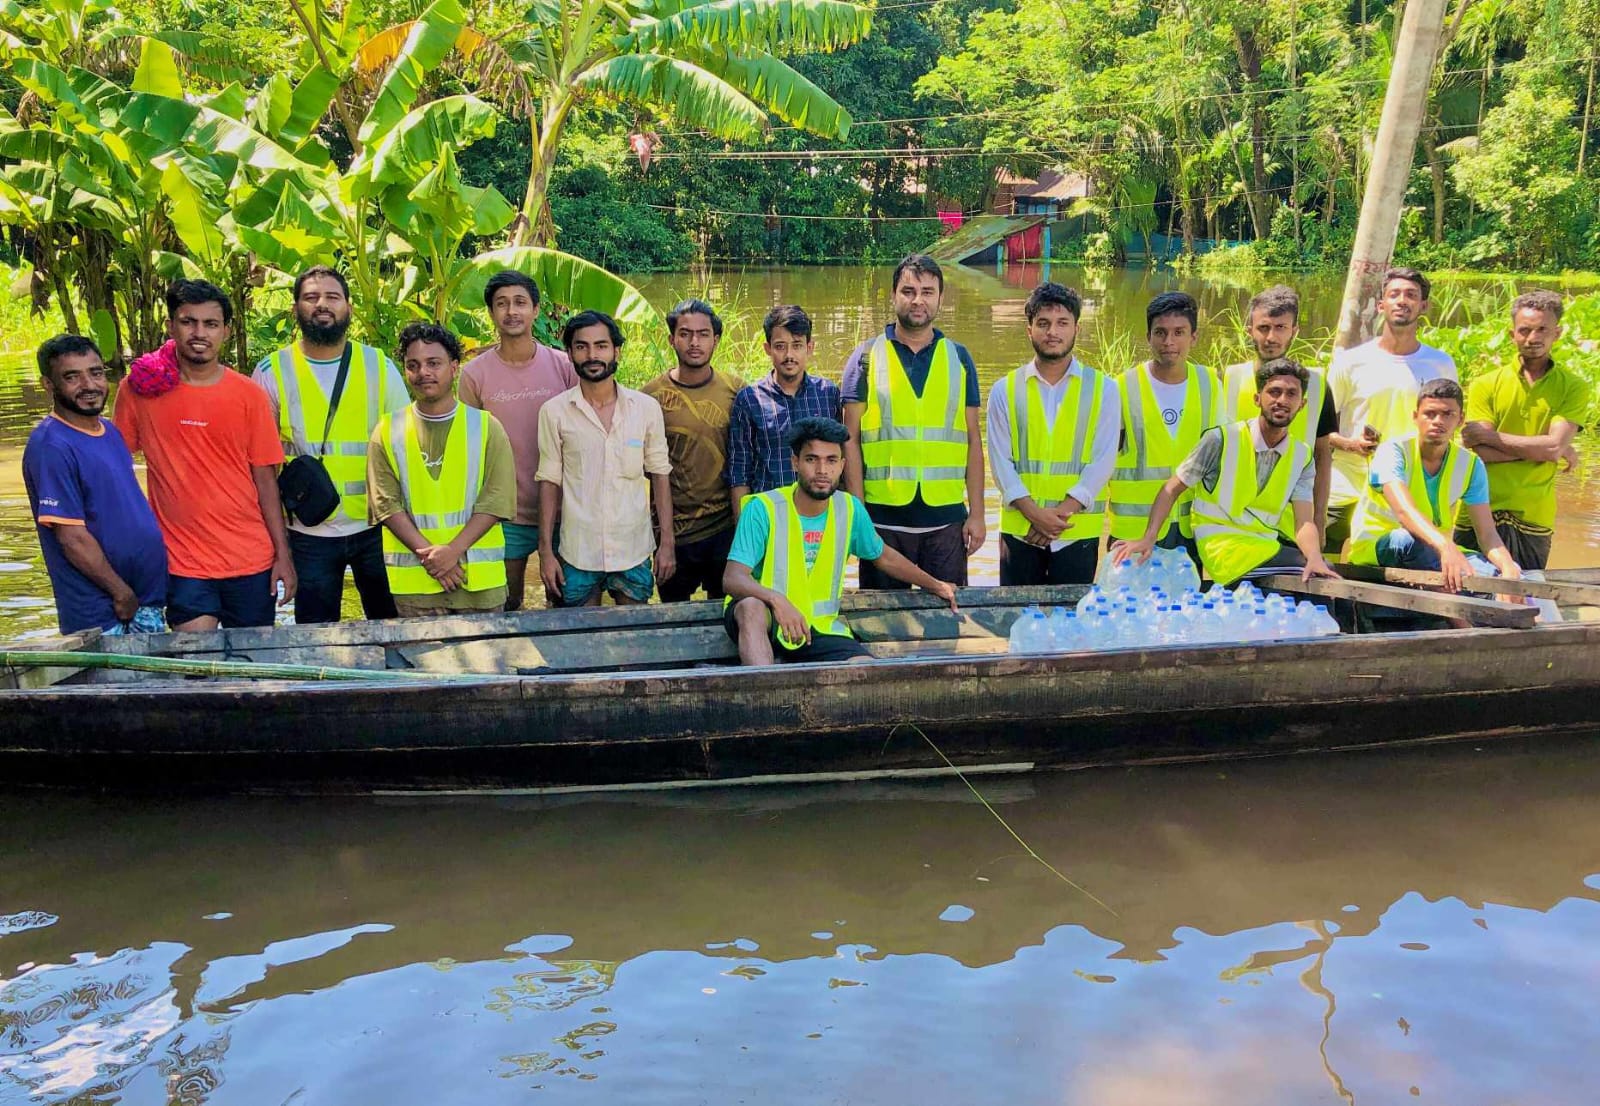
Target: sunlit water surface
column 1364, row 928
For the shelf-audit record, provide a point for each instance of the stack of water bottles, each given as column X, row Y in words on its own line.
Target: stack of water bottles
column 1160, row 603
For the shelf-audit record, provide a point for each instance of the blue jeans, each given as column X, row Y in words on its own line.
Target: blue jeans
column 1401, row 549
column 319, row 563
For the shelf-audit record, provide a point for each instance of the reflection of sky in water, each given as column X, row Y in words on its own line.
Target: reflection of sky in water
column 1500, row 1012
column 1287, row 932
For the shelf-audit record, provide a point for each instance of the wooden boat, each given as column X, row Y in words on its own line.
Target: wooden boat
column 651, row 695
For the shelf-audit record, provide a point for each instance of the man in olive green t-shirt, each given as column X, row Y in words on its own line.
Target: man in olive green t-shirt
column 696, row 404
column 1521, row 419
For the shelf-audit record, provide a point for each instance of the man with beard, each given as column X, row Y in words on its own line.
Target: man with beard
column 441, row 480
column 1245, row 476
column 786, row 567
column 1374, row 386
column 212, row 453
column 1521, row 418
column 102, row 545
column 1272, row 322
column 603, row 458
column 695, row 404
column 915, row 455
column 1053, row 426
column 759, row 458
column 1167, row 402
column 300, row 380
column 513, row 380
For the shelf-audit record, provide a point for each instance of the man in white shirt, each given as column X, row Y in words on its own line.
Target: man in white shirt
column 1053, row 428
column 1374, row 387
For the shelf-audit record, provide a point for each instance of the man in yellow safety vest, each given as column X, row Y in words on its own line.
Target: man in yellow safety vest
column 301, row 380
column 1167, row 402
column 1419, row 485
column 1245, row 476
column 441, row 479
column 915, row 455
column 1272, row 322
column 785, row 573
column 1053, row 426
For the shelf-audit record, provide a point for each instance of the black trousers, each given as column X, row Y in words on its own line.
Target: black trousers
column 1021, row 563
column 320, row 563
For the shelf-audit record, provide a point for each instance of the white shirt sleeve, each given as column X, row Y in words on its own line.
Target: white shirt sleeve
column 1103, row 454
column 267, row 382
column 999, row 426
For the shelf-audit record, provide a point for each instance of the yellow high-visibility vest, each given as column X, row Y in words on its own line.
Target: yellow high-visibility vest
column 1048, row 459
column 1373, row 518
column 814, row 591
column 1151, row 453
column 1236, row 523
column 1239, row 401
column 439, row 508
column 303, row 412
column 911, row 442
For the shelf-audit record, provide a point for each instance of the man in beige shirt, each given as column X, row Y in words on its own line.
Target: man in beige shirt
column 602, row 458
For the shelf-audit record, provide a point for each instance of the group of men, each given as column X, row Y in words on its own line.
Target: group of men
column 443, row 479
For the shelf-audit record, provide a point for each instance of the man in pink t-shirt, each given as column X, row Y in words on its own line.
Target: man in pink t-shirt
column 512, row 381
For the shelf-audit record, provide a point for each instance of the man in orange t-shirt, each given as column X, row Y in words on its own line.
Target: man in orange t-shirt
column 212, row 452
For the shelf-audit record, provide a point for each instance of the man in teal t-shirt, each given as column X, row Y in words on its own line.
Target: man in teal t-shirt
column 777, row 613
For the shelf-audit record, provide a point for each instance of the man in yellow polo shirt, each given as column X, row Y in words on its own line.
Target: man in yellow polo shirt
column 1521, row 419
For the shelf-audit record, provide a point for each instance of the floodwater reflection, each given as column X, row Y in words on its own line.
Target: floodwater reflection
column 1369, row 928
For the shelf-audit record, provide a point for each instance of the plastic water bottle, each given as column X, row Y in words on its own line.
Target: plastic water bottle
column 1025, row 631
column 1256, row 626
column 1063, row 628
column 1204, row 626
column 1089, row 599
column 1323, row 619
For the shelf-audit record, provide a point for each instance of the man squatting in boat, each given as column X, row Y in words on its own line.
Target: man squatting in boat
column 439, row 483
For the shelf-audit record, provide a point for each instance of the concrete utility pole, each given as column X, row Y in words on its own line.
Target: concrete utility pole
column 1404, row 105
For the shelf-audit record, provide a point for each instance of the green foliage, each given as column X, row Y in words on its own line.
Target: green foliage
column 1484, row 345
column 596, row 221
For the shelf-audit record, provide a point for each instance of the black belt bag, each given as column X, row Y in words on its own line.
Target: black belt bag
column 307, row 491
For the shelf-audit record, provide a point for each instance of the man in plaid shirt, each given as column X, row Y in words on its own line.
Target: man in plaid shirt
column 759, row 458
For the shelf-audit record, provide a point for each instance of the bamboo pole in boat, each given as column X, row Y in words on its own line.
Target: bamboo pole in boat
column 177, row 666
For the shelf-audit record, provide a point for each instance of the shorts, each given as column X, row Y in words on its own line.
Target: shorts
column 637, row 583
column 821, row 649
column 941, row 553
column 1529, row 545
column 700, row 565
column 522, row 541
column 234, row 600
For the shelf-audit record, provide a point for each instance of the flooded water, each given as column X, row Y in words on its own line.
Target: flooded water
column 1363, row 928
column 981, row 309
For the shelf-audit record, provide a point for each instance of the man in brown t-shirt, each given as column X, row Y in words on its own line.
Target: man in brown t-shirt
column 695, row 402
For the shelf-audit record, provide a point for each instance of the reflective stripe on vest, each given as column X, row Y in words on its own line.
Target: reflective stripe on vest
column 1373, row 518
column 1239, row 401
column 303, row 412
column 909, row 441
column 814, row 591
column 1048, row 457
column 1152, row 453
column 440, row 507
column 1236, row 523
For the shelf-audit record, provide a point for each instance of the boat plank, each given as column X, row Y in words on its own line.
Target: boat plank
column 638, row 648
column 581, row 620
column 1564, row 592
column 1479, row 612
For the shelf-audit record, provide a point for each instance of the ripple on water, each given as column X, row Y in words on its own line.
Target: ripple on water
column 26, row 919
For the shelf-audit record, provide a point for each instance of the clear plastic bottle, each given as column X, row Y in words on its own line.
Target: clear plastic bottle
column 1327, row 625
column 1204, row 625
column 1175, row 631
column 1257, row 627
column 1023, row 632
column 1063, row 629
column 1090, row 598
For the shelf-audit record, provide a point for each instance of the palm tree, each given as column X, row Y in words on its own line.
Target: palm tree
column 713, row 64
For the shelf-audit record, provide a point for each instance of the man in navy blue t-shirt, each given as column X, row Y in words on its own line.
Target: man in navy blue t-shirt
column 102, row 546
